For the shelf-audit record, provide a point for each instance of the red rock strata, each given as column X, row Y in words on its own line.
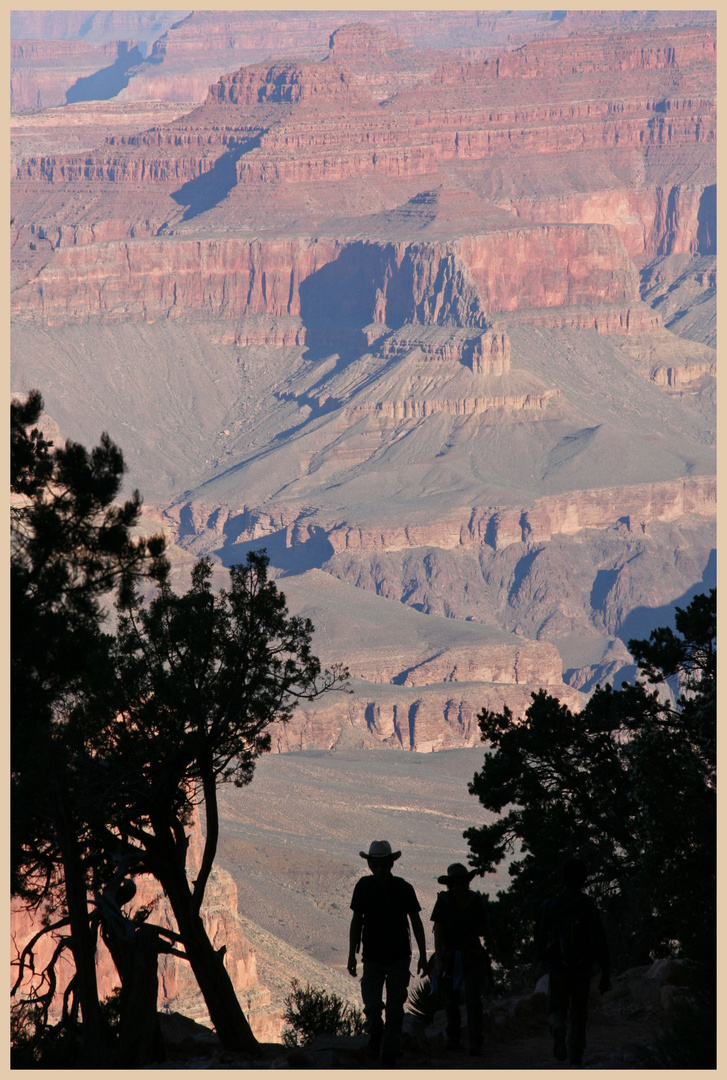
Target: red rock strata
column 149, row 279
column 43, row 71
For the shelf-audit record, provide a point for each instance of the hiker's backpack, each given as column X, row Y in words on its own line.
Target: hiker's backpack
column 570, row 941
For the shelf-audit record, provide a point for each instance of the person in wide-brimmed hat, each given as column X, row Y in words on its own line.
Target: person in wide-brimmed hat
column 383, row 906
column 461, row 961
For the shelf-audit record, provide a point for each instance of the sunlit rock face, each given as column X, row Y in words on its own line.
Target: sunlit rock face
column 178, row 991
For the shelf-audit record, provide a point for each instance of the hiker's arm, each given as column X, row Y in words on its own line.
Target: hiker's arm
column 416, row 925
column 439, row 947
column 602, row 953
column 488, row 939
column 354, row 940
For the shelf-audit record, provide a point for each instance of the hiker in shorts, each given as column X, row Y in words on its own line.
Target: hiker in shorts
column 383, row 906
column 460, row 959
column 570, row 937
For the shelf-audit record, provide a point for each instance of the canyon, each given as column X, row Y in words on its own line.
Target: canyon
column 423, row 303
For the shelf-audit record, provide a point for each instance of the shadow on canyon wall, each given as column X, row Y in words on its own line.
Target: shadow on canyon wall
column 707, row 222
column 291, row 560
column 109, row 81
column 208, row 190
column 642, row 620
column 338, row 300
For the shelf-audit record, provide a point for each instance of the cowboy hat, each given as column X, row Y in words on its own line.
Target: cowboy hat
column 380, row 849
column 456, row 872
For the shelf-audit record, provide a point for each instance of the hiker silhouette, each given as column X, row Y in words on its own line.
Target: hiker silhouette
column 460, row 959
column 570, row 938
column 383, row 906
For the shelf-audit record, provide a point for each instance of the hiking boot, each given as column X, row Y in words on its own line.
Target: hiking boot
column 560, row 1050
column 374, row 1044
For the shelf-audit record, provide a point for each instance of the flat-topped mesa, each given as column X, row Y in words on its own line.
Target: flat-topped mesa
column 362, row 40
column 289, row 82
column 593, row 53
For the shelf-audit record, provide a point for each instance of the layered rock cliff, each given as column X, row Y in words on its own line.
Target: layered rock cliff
column 460, row 283
column 440, row 323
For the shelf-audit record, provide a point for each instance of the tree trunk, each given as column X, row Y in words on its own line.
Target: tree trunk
column 140, row 1035
column 209, row 969
column 135, row 952
column 82, row 942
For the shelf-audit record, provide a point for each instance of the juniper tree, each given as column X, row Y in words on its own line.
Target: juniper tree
column 71, row 546
column 198, row 678
column 628, row 783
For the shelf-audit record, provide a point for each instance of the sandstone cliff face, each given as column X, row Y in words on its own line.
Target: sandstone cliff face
column 177, row 986
column 633, row 508
column 425, row 723
column 661, row 220
column 42, row 72
column 460, row 282
column 589, row 55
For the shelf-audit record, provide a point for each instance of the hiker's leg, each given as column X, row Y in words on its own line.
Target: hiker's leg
column 451, row 1010
column 557, row 1012
column 473, row 983
column 557, row 1000
column 397, row 983
column 578, row 1014
column 372, row 985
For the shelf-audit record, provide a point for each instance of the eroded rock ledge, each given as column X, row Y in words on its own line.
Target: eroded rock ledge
column 632, row 507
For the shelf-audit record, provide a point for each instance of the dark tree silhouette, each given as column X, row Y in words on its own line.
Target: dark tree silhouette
column 71, row 546
column 629, row 784
column 117, row 738
column 198, row 679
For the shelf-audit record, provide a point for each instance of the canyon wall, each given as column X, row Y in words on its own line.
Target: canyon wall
column 432, row 721
column 633, row 507
column 460, row 282
column 417, row 278
column 43, row 72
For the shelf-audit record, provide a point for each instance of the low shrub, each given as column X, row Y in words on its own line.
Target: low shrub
column 310, row 1012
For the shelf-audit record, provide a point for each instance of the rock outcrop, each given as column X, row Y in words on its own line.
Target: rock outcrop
column 633, row 508
column 437, row 719
column 178, row 989
column 460, row 283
